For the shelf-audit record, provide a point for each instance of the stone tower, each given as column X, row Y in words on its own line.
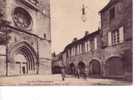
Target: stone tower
column 25, row 37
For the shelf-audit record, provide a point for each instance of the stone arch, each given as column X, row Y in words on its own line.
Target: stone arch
column 94, row 68
column 72, row 68
column 56, row 69
column 27, row 51
column 114, row 66
column 81, row 67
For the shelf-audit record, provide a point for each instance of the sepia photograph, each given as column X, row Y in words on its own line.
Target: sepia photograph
column 66, row 42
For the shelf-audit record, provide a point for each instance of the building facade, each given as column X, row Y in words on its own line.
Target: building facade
column 108, row 51
column 84, row 54
column 116, row 34
column 57, row 63
column 25, row 42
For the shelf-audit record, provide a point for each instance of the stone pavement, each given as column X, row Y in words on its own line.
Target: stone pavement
column 55, row 80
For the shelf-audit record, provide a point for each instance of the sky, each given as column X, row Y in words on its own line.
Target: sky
column 66, row 21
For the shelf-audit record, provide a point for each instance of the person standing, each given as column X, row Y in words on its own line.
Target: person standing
column 78, row 73
column 63, row 73
column 85, row 73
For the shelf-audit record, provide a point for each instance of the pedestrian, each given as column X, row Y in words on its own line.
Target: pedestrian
column 85, row 73
column 78, row 73
column 63, row 73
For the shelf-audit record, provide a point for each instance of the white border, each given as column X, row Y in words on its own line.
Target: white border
column 85, row 93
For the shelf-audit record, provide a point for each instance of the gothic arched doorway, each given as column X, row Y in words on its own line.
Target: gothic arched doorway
column 114, row 66
column 21, row 61
column 95, row 68
column 24, row 56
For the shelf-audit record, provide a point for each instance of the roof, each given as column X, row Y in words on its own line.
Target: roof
column 111, row 2
column 82, row 39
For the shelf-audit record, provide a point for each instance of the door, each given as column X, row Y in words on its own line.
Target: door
column 23, row 70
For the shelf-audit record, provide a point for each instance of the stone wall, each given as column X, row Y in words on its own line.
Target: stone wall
column 2, row 65
column 123, row 17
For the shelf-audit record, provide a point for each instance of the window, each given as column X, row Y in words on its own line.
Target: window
column 80, row 48
column 77, row 49
column 117, row 36
column 73, row 51
column 22, row 18
column 89, row 46
column 86, row 46
column 112, row 13
column 69, row 52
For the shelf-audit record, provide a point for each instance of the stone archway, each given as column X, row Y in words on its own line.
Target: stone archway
column 21, row 62
column 94, row 68
column 114, row 66
column 56, row 69
column 82, row 67
column 72, row 69
column 24, row 56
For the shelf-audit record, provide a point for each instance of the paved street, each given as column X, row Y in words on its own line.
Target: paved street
column 56, row 80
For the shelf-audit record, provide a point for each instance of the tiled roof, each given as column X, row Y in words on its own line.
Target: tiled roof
column 82, row 39
column 112, row 2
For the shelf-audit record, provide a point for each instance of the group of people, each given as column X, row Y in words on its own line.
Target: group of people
column 77, row 73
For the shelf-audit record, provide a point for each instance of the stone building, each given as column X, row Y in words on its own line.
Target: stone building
column 25, row 37
column 84, row 54
column 116, row 34
column 57, row 63
column 108, row 51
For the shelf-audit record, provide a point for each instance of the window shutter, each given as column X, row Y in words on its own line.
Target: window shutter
column 109, row 39
column 121, row 31
column 95, row 43
column 89, row 48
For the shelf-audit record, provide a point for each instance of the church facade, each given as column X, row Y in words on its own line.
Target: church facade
column 25, row 37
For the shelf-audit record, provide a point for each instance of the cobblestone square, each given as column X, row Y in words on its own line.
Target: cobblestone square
column 55, row 80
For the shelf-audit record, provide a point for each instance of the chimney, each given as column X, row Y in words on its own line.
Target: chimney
column 86, row 33
column 75, row 39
